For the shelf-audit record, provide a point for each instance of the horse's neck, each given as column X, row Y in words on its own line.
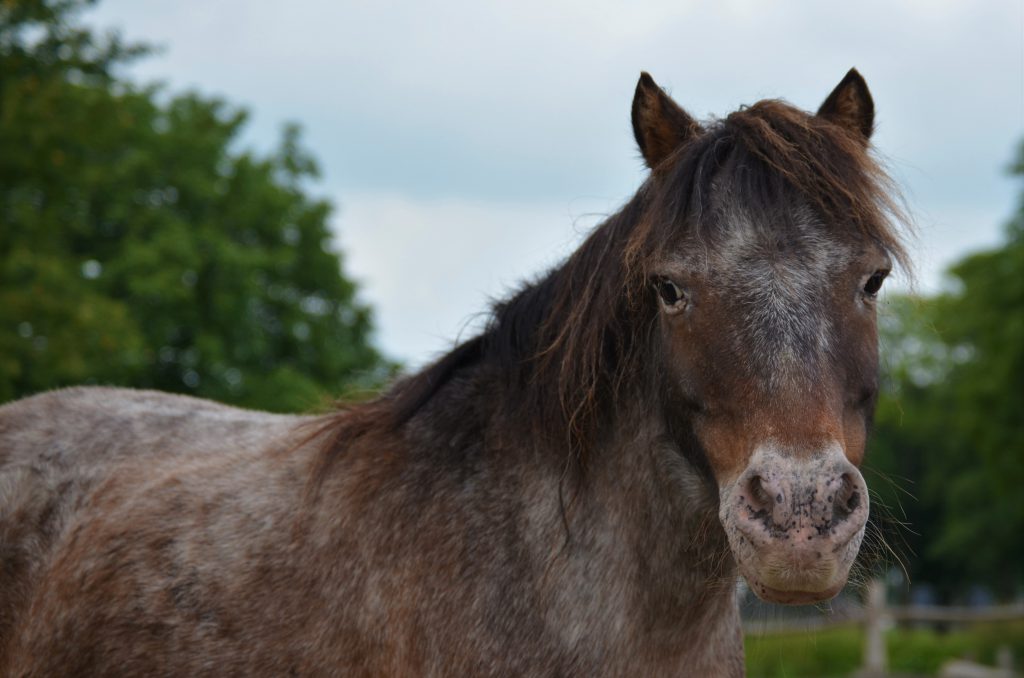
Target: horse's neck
column 631, row 553
column 657, row 515
column 639, row 556
column 637, row 513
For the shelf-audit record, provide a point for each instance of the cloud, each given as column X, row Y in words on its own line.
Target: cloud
column 447, row 125
column 433, row 266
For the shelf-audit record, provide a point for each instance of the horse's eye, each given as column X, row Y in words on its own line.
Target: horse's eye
column 874, row 283
column 670, row 293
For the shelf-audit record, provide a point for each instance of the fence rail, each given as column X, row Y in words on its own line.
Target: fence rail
column 877, row 615
column 934, row 613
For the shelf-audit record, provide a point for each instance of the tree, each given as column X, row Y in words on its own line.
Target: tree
column 951, row 428
column 140, row 247
column 982, row 324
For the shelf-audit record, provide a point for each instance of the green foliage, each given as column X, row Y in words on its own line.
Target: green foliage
column 950, row 429
column 139, row 247
column 839, row 651
column 827, row 653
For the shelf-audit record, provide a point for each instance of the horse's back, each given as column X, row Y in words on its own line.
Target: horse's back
column 81, row 468
column 96, row 425
column 56, row 447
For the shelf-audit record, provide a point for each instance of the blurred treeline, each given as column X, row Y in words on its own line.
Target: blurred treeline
column 947, row 454
column 140, row 246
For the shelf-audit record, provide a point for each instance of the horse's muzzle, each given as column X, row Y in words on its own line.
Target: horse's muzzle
column 795, row 523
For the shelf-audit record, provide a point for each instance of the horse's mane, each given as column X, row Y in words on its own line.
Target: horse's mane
column 568, row 344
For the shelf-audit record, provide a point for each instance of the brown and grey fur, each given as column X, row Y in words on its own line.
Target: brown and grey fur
column 570, row 493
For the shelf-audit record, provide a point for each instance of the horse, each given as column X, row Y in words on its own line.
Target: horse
column 574, row 491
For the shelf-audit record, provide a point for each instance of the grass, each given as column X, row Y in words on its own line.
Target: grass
column 838, row 651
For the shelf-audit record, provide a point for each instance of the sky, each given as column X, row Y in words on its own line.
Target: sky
column 470, row 145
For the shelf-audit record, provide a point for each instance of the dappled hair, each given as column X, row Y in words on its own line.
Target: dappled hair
column 569, row 346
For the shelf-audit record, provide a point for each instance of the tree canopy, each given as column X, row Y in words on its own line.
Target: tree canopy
column 950, row 430
column 140, row 246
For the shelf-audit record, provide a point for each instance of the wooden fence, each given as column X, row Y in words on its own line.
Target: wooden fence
column 877, row 615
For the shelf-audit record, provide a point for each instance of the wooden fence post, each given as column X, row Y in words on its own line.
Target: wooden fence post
column 875, row 662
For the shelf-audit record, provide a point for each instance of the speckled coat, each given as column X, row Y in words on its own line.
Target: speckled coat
column 146, row 534
column 571, row 493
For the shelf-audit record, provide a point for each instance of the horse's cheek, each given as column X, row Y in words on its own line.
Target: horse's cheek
column 855, row 436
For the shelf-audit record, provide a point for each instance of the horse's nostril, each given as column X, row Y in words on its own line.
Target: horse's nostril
column 847, row 499
column 760, row 498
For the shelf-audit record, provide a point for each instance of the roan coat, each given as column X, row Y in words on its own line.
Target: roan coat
column 572, row 493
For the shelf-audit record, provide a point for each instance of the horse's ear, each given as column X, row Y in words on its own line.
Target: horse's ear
column 850, row 105
column 659, row 124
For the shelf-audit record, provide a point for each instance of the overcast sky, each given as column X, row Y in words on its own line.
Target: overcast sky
column 468, row 145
